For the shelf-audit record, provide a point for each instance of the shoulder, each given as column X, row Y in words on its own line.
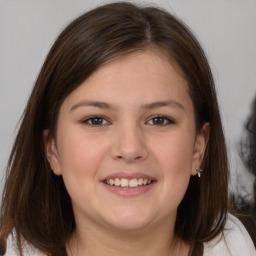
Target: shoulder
column 234, row 241
column 12, row 250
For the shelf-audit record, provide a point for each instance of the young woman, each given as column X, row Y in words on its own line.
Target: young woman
column 120, row 150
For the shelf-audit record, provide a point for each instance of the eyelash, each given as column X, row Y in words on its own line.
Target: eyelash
column 166, row 120
column 101, row 121
column 94, row 118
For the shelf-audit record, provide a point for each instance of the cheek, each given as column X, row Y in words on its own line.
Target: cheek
column 79, row 159
column 175, row 154
column 78, row 151
column 174, row 157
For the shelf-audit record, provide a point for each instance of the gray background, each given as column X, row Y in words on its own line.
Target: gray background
column 225, row 28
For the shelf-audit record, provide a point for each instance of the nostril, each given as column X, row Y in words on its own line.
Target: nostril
column 128, row 150
column 128, row 158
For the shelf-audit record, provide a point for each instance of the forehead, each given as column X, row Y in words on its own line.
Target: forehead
column 145, row 76
column 154, row 60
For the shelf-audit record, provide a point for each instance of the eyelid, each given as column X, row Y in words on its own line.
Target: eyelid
column 87, row 119
column 169, row 120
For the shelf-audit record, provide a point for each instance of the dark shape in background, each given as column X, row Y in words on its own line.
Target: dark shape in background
column 246, row 210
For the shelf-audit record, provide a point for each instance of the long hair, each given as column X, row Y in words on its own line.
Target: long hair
column 35, row 203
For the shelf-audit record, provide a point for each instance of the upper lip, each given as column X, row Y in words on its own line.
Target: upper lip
column 128, row 175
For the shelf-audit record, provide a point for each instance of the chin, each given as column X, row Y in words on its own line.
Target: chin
column 130, row 220
column 129, row 225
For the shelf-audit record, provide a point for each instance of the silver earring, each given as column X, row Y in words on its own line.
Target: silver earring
column 199, row 170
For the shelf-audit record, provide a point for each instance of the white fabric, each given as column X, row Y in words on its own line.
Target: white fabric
column 235, row 242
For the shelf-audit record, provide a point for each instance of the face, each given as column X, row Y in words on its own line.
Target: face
column 126, row 143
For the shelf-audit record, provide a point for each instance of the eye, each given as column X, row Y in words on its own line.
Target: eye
column 95, row 121
column 160, row 120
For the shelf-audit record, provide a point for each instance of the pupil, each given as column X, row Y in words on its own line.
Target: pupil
column 97, row 121
column 158, row 120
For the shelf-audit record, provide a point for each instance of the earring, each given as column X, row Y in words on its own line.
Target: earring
column 199, row 171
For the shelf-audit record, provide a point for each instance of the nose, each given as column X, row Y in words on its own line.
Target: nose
column 129, row 145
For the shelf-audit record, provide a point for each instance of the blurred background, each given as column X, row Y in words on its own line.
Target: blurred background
column 225, row 28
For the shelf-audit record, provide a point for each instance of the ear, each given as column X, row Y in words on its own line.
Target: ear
column 51, row 153
column 201, row 141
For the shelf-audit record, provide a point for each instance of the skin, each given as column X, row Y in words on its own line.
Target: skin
column 128, row 137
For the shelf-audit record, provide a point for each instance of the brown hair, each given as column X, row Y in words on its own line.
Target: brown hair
column 35, row 202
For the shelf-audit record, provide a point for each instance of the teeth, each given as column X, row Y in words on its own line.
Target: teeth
column 128, row 183
column 124, row 183
column 133, row 183
column 117, row 182
column 140, row 182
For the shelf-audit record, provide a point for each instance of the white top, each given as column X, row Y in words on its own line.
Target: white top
column 236, row 242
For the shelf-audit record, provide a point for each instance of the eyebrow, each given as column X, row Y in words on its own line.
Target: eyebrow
column 97, row 104
column 169, row 103
column 153, row 105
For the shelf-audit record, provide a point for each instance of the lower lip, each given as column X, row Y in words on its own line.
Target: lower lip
column 128, row 191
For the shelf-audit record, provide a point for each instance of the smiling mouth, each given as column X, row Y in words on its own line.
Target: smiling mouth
column 132, row 183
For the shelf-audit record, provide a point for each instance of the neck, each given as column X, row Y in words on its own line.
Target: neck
column 155, row 240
